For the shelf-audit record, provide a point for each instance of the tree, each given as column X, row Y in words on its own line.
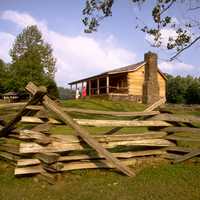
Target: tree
column 2, row 76
column 193, row 92
column 66, row 93
column 183, row 89
column 32, row 60
column 186, row 33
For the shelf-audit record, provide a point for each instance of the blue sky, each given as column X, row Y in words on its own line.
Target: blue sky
column 117, row 43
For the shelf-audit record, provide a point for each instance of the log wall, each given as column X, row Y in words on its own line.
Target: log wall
column 136, row 81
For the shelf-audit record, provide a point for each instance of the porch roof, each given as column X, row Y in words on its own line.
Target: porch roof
column 125, row 69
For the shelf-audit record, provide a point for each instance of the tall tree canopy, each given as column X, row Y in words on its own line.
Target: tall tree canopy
column 32, row 60
column 2, row 76
column 186, row 31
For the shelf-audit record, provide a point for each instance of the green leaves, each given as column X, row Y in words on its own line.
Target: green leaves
column 94, row 12
column 32, row 60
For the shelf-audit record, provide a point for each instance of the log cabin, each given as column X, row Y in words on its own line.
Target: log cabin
column 140, row 82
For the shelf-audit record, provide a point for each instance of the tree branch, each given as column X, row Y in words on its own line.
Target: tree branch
column 179, row 52
column 164, row 10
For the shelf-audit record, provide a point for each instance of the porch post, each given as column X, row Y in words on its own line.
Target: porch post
column 107, row 84
column 97, row 86
column 89, row 87
column 76, row 86
column 71, row 87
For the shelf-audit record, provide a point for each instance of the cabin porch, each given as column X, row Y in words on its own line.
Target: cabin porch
column 106, row 85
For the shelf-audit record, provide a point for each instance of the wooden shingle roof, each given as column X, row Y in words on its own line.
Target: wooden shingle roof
column 125, row 69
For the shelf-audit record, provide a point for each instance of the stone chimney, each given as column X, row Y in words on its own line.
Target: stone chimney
column 150, row 87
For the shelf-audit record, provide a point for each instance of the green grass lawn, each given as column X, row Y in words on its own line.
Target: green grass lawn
column 154, row 181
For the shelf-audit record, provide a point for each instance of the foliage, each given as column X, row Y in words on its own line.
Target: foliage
column 29, row 44
column 183, row 90
column 186, row 32
column 52, row 88
column 65, row 93
column 4, row 76
column 32, row 60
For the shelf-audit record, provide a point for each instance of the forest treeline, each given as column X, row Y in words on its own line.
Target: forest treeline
column 184, row 90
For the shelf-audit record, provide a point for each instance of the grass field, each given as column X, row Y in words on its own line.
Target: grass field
column 154, row 181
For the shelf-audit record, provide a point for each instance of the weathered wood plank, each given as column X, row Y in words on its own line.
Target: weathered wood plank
column 179, row 149
column 37, row 120
column 44, row 128
column 9, row 156
column 34, row 135
column 177, row 118
column 10, row 148
column 99, row 123
column 76, row 166
column 28, row 162
column 57, row 146
column 34, row 100
column 11, row 105
column 181, row 129
column 187, row 156
column 29, row 135
column 47, row 158
column 84, row 134
column 155, row 105
column 120, row 123
column 73, row 166
column 101, row 112
column 29, row 170
column 120, row 155
column 181, row 138
column 112, row 138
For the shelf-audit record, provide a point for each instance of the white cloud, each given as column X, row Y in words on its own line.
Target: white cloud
column 21, row 19
column 166, row 33
column 6, row 40
column 78, row 56
column 179, row 68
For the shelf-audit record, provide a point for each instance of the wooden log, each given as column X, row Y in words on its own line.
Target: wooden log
column 29, row 170
column 77, row 166
column 113, row 113
column 171, row 156
column 181, row 129
column 100, row 123
column 10, row 148
column 112, row 138
column 84, row 134
column 47, row 158
column 37, row 120
column 34, row 100
column 181, row 138
column 120, row 155
column 44, row 128
column 179, row 149
column 101, row 112
column 177, row 118
column 120, row 123
column 187, row 156
column 29, row 135
column 28, row 162
column 35, row 136
column 64, row 146
column 9, row 156
column 73, row 166
column 155, row 105
column 11, row 105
